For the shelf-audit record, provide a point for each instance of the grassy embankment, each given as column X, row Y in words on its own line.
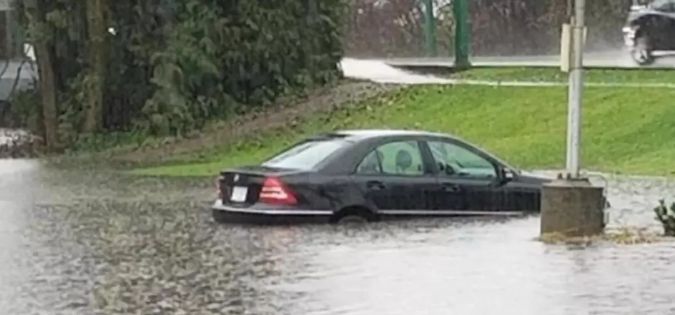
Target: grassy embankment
column 626, row 130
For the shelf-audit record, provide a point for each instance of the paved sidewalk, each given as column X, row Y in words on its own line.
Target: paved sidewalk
column 381, row 72
column 609, row 59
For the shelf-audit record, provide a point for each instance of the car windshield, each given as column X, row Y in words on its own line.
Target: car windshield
column 306, row 155
column 665, row 5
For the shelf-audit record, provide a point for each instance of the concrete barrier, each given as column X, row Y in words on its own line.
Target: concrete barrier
column 572, row 208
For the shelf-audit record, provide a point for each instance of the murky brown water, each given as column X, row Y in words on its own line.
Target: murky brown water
column 82, row 242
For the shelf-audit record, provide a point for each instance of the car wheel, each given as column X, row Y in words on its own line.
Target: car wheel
column 642, row 52
column 352, row 219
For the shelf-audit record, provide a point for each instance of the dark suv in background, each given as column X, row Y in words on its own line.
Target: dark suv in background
column 650, row 27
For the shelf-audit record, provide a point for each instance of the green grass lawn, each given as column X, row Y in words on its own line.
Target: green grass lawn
column 555, row 75
column 629, row 130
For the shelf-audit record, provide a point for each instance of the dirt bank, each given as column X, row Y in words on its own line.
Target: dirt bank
column 287, row 112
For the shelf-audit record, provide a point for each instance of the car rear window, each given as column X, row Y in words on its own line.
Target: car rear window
column 306, row 155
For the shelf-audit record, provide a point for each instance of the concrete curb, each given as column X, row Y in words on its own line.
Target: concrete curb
column 558, row 84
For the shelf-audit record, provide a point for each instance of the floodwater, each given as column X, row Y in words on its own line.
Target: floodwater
column 84, row 242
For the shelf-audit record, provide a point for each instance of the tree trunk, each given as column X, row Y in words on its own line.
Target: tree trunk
column 97, row 32
column 44, row 57
column 35, row 10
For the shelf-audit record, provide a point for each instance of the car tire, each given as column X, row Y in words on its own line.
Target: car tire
column 352, row 219
column 642, row 52
column 353, row 215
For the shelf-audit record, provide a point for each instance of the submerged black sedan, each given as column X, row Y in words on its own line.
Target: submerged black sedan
column 369, row 175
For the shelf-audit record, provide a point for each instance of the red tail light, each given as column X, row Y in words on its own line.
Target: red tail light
column 275, row 192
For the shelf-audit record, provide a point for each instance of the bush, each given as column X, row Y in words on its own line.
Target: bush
column 173, row 65
column 23, row 110
column 667, row 218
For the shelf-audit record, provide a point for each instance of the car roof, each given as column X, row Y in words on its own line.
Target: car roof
column 364, row 134
column 376, row 133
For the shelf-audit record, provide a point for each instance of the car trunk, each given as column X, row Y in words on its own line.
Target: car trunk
column 242, row 186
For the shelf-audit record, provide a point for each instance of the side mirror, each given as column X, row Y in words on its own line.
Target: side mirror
column 508, row 175
column 449, row 170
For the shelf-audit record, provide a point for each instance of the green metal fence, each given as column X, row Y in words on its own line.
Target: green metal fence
column 410, row 28
column 445, row 28
column 400, row 28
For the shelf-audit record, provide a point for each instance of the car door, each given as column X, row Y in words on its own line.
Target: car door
column 396, row 180
column 662, row 25
column 521, row 194
column 669, row 35
column 470, row 181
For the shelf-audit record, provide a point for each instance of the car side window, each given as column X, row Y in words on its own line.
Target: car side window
column 456, row 161
column 370, row 165
column 395, row 158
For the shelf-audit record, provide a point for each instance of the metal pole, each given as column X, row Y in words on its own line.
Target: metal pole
column 9, row 41
column 430, row 28
column 15, row 35
column 576, row 89
column 462, row 34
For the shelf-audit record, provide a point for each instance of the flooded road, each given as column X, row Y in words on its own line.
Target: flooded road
column 81, row 242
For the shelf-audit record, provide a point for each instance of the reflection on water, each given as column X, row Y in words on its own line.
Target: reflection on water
column 94, row 243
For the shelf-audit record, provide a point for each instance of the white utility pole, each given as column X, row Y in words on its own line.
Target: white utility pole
column 576, row 90
column 573, row 206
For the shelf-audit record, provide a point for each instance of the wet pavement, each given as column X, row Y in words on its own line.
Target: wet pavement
column 85, row 242
column 390, row 70
column 379, row 71
column 393, row 72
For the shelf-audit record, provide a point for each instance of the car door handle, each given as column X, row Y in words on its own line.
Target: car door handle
column 375, row 185
column 450, row 187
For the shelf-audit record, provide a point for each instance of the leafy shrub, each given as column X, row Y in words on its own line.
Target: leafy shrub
column 173, row 65
column 23, row 110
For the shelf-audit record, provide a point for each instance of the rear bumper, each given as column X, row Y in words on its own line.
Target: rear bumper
column 264, row 215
